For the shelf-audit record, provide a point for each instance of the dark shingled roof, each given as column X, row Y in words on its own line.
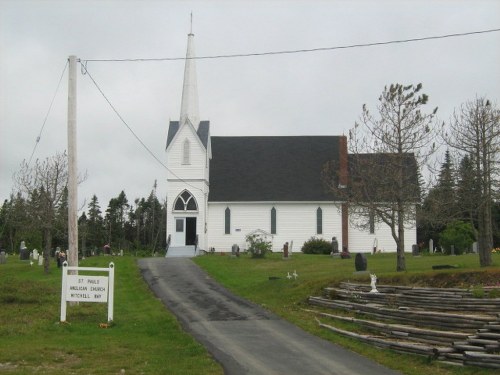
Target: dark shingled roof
column 374, row 176
column 203, row 131
column 267, row 169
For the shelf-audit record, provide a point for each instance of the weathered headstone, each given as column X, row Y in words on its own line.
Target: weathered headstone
column 235, row 250
column 40, row 259
column 285, row 250
column 414, row 250
column 360, row 262
column 35, row 254
column 24, row 253
column 3, row 257
column 431, row 246
column 474, row 247
column 335, row 245
column 452, row 249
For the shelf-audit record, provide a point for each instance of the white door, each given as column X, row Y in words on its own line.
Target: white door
column 179, row 237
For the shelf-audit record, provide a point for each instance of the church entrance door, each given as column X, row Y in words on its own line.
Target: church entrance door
column 190, row 230
column 185, row 231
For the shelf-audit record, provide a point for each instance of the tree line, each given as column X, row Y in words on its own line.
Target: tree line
column 41, row 219
column 391, row 147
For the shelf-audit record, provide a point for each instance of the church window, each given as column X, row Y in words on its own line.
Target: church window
column 186, row 152
column 227, row 221
column 319, row 221
column 185, row 202
column 273, row 220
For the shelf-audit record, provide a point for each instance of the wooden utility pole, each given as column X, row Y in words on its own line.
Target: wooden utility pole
column 72, row 168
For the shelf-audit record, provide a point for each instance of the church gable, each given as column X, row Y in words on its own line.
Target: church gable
column 185, row 150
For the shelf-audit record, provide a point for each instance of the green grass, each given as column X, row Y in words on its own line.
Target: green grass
column 145, row 337
column 250, row 278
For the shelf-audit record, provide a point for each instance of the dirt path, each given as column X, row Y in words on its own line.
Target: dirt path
column 242, row 336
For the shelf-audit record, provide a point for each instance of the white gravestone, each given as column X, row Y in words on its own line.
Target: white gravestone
column 40, row 259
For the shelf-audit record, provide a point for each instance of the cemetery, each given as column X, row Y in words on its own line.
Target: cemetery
column 445, row 316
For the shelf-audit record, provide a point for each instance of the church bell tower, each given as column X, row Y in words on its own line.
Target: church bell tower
column 188, row 159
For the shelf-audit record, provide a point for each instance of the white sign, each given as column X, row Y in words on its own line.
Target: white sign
column 87, row 288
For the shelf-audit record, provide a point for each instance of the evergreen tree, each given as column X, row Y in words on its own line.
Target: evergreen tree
column 95, row 225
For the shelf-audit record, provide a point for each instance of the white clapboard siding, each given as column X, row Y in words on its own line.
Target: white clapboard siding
column 197, row 167
column 362, row 241
column 294, row 222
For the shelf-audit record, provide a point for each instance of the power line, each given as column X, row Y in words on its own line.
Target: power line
column 361, row 45
column 48, row 112
column 86, row 72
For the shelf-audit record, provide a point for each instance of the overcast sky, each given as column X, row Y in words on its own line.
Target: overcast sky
column 318, row 93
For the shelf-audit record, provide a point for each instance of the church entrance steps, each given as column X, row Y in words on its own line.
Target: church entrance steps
column 181, row 252
column 460, row 330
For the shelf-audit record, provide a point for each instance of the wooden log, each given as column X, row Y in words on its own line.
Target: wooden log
column 394, row 345
column 481, row 364
column 483, row 356
column 489, row 335
column 471, row 348
column 430, row 318
column 482, row 342
column 404, row 329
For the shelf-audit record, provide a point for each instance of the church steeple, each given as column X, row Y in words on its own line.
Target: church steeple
column 189, row 104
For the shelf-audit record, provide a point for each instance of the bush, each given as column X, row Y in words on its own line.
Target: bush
column 258, row 246
column 316, row 246
column 458, row 234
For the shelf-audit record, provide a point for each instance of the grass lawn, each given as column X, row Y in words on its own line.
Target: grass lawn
column 145, row 339
column 250, row 278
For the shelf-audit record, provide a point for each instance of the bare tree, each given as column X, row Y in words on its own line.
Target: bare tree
column 474, row 131
column 44, row 182
column 385, row 153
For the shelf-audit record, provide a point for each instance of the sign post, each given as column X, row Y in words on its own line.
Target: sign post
column 87, row 288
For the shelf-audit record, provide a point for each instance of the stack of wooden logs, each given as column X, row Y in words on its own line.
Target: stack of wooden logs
column 445, row 324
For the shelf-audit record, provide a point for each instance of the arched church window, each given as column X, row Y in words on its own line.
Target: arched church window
column 319, row 221
column 273, row 220
column 227, row 221
column 185, row 202
column 186, row 152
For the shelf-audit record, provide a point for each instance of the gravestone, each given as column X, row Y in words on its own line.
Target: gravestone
column 431, row 246
column 235, row 250
column 35, row 254
column 285, row 250
column 40, row 259
column 3, row 257
column 360, row 262
column 452, row 249
column 474, row 247
column 24, row 253
column 414, row 250
column 335, row 245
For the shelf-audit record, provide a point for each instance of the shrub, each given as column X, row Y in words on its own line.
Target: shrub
column 458, row 234
column 316, row 246
column 258, row 246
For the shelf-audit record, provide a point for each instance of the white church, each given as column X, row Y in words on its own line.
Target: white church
column 221, row 189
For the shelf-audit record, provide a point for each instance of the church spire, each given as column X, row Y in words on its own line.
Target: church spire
column 189, row 104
